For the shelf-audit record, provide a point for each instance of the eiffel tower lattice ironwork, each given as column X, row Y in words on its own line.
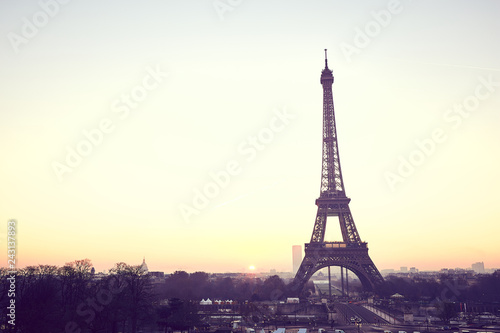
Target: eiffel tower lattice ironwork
column 351, row 253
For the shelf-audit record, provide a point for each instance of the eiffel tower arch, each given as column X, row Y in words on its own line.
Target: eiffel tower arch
column 350, row 253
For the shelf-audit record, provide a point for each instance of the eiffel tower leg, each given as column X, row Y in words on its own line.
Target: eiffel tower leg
column 342, row 279
column 347, row 282
column 303, row 274
column 329, row 283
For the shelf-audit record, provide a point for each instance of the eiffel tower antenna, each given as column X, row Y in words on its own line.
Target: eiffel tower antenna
column 350, row 253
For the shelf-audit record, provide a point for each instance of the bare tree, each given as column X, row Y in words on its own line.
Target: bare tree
column 137, row 295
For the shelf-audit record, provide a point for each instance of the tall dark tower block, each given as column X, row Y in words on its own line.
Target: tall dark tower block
column 296, row 257
column 351, row 253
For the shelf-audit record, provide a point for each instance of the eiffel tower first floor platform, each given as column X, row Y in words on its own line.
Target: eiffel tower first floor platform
column 353, row 256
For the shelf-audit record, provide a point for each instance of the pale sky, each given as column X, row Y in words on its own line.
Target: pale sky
column 115, row 115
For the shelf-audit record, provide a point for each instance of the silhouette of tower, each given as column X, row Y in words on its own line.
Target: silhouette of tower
column 351, row 253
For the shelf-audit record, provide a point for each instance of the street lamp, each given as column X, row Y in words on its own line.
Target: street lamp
column 358, row 323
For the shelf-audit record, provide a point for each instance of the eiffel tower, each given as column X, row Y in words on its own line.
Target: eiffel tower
column 351, row 253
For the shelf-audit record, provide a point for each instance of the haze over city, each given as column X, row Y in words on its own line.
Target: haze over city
column 190, row 133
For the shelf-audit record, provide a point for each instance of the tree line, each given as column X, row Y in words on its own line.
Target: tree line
column 73, row 299
column 485, row 289
column 201, row 285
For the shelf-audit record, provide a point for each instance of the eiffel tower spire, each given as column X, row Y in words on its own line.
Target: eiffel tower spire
column 332, row 200
column 331, row 173
column 351, row 253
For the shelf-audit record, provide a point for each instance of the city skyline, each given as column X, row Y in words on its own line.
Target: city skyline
column 191, row 135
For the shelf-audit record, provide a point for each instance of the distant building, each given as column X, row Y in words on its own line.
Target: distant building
column 478, row 267
column 404, row 269
column 297, row 257
column 413, row 270
column 144, row 267
column 159, row 275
